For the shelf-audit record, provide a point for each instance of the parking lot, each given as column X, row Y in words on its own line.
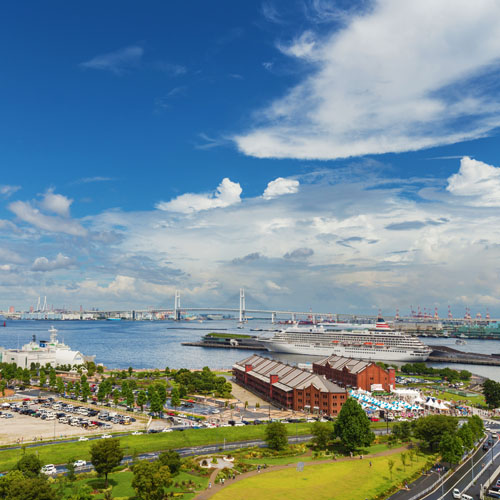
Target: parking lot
column 33, row 421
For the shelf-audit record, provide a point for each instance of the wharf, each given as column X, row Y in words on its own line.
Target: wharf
column 227, row 346
column 443, row 354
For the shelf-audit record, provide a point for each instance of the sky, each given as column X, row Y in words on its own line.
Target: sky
column 337, row 155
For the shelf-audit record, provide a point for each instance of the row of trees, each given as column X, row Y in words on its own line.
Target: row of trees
column 445, row 373
column 202, row 382
column 352, row 428
column 25, row 481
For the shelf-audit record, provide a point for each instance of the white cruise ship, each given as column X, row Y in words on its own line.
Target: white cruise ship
column 376, row 343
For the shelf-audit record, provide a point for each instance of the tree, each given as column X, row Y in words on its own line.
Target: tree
column 430, row 429
column 81, row 492
column 116, row 396
column 322, row 432
column 105, row 455
column 26, row 377
column 100, row 369
column 29, row 464
column 476, row 425
column 182, row 391
column 130, row 371
column 3, row 386
column 172, row 460
column 466, row 434
column 276, row 436
column 390, row 465
column 150, row 480
column 86, row 392
column 451, row 448
column 130, row 398
column 60, row 385
column 33, row 488
column 43, row 378
column 491, row 391
column 70, row 467
column 404, row 460
column 141, row 399
column 175, row 399
column 52, row 378
column 155, row 403
column 353, row 426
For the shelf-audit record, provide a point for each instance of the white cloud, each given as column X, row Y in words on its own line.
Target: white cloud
column 302, row 47
column 227, row 193
column 116, row 62
column 27, row 213
column 281, row 186
column 477, row 181
column 60, row 262
column 56, row 203
column 6, row 190
column 396, row 78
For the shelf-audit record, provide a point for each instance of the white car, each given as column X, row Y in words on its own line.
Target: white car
column 106, row 436
column 456, row 493
column 136, row 433
column 83, row 438
column 80, row 463
column 166, row 429
column 49, row 469
column 215, row 411
column 494, row 435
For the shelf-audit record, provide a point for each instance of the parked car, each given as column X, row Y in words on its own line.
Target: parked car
column 106, row 436
column 137, row 433
column 83, row 438
column 80, row 463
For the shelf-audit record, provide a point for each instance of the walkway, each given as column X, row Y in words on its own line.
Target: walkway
column 208, row 493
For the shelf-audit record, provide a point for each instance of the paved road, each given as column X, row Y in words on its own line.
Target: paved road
column 475, row 469
column 196, row 450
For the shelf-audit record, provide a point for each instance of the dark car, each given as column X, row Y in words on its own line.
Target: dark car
column 485, row 446
column 257, row 422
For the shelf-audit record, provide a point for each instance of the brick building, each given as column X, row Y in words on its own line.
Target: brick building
column 288, row 386
column 355, row 373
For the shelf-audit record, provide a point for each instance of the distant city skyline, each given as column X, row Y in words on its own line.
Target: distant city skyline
column 333, row 155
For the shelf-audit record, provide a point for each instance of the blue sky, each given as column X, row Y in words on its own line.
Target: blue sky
column 328, row 154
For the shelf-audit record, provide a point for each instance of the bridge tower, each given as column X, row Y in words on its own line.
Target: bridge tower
column 177, row 305
column 242, row 305
column 45, row 308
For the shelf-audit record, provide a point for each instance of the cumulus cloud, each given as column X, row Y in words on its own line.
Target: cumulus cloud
column 6, row 190
column 477, row 181
column 60, row 262
column 279, row 187
column 227, row 193
column 299, row 254
column 116, row 62
column 55, row 224
column 251, row 257
column 56, row 203
column 399, row 76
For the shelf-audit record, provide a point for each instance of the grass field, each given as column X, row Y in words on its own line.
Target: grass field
column 63, row 453
column 472, row 400
column 321, row 482
column 121, row 483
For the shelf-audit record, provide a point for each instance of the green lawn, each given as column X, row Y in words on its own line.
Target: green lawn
column 471, row 400
column 62, row 453
column 350, row 480
column 121, row 483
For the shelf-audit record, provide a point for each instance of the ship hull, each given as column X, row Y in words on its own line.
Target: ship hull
column 346, row 351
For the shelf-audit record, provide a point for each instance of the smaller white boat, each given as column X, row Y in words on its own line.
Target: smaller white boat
column 460, row 342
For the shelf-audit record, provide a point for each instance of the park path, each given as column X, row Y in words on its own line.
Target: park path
column 209, row 492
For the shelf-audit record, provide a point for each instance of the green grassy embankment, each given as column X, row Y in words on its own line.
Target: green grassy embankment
column 64, row 452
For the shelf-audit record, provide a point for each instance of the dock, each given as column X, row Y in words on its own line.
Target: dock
column 220, row 345
column 443, row 354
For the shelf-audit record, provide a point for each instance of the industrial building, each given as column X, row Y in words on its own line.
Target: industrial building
column 289, row 387
column 355, row 373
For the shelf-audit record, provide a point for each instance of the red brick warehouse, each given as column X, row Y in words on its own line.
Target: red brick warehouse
column 288, row 386
column 354, row 373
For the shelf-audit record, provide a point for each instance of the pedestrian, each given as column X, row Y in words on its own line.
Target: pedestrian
column 209, row 484
column 370, row 463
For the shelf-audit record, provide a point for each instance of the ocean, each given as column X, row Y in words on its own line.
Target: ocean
column 157, row 344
